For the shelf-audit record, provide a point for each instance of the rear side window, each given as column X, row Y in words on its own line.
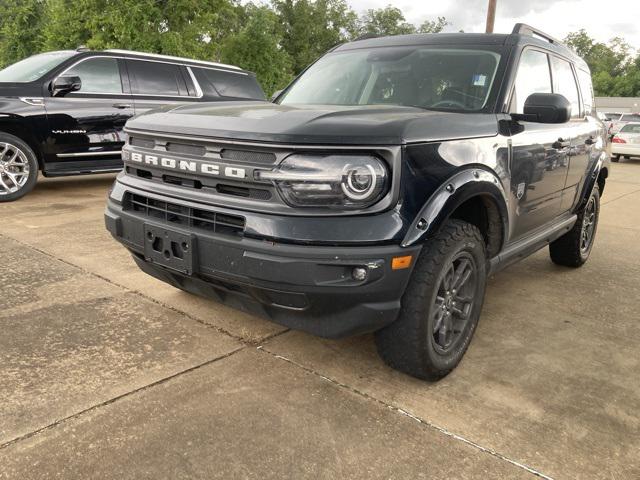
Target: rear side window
column 98, row 75
column 631, row 117
column 155, row 78
column 564, row 83
column 586, row 88
column 230, row 84
column 631, row 128
column 533, row 77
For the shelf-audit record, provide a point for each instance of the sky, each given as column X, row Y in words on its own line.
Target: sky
column 600, row 18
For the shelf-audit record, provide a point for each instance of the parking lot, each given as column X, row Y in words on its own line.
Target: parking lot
column 108, row 373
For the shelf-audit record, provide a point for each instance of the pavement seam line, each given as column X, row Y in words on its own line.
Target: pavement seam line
column 140, row 294
column 406, row 413
column 97, row 406
column 621, row 196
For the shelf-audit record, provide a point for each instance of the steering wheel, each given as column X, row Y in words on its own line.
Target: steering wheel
column 455, row 103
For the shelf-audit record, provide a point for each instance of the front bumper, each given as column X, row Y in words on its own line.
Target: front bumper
column 304, row 287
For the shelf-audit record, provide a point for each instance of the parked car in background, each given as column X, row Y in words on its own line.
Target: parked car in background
column 615, row 121
column 63, row 112
column 379, row 190
column 626, row 143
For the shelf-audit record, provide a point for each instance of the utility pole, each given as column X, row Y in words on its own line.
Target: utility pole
column 491, row 15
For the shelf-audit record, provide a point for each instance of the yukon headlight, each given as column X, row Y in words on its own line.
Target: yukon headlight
column 335, row 181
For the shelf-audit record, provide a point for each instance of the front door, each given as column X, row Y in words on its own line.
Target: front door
column 86, row 126
column 539, row 156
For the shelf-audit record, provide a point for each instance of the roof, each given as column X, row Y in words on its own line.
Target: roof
column 170, row 57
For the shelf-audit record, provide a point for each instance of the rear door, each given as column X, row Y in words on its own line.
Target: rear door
column 86, row 125
column 155, row 84
column 584, row 129
column 539, row 152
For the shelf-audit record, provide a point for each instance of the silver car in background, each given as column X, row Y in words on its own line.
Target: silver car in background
column 626, row 143
column 615, row 121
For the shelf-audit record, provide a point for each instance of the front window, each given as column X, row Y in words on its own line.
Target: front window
column 98, row 75
column 33, row 68
column 429, row 77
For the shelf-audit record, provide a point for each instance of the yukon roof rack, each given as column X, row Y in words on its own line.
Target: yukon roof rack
column 524, row 29
column 170, row 57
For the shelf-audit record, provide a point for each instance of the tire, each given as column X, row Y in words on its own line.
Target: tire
column 570, row 249
column 615, row 158
column 18, row 168
column 414, row 344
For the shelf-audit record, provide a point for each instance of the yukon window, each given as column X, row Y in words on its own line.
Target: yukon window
column 156, row 78
column 533, row 77
column 98, row 75
column 425, row 77
column 33, row 68
column 231, row 84
column 564, row 83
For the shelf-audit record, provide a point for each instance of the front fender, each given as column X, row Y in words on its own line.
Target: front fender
column 591, row 181
column 466, row 184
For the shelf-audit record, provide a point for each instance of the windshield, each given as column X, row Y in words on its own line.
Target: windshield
column 423, row 76
column 33, row 68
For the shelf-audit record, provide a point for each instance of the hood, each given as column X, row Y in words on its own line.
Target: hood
column 316, row 124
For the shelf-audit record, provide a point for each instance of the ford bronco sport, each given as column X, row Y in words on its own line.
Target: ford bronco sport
column 377, row 192
column 63, row 112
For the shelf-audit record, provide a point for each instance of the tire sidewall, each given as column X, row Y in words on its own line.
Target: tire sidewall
column 595, row 194
column 33, row 167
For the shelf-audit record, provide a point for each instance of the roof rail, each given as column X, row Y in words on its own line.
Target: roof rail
column 524, row 29
column 170, row 57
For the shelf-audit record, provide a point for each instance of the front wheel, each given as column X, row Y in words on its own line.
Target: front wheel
column 441, row 306
column 574, row 247
column 18, row 168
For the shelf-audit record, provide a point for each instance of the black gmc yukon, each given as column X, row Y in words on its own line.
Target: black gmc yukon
column 377, row 192
column 63, row 112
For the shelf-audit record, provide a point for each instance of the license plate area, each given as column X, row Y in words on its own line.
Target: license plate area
column 171, row 249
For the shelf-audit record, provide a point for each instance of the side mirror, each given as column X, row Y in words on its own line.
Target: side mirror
column 546, row 108
column 275, row 95
column 64, row 85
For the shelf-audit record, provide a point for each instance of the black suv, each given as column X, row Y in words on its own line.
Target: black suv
column 377, row 192
column 63, row 112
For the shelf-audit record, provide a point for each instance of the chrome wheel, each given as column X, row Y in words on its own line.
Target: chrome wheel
column 454, row 302
column 14, row 169
column 588, row 225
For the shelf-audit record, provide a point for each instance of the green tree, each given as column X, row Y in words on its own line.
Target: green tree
column 385, row 21
column 256, row 47
column 311, row 27
column 21, row 23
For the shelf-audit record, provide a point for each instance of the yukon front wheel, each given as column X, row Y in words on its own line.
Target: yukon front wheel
column 18, row 168
column 441, row 306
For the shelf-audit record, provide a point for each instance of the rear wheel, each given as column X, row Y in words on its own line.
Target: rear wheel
column 615, row 158
column 441, row 306
column 574, row 247
column 18, row 168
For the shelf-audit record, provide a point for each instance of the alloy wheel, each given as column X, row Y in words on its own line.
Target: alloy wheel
column 14, row 169
column 454, row 302
column 588, row 225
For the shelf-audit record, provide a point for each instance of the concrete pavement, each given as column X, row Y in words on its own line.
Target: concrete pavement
column 108, row 373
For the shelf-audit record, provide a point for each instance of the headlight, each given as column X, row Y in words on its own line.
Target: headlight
column 344, row 181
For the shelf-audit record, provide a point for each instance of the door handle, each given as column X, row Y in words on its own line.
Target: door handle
column 590, row 141
column 121, row 106
column 560, row 143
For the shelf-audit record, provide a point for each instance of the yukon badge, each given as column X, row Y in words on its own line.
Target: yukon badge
column 192, row 166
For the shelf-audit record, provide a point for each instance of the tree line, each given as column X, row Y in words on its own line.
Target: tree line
column 277, row 40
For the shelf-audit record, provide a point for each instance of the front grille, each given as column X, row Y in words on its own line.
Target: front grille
column 142, row 142
column 182, row 215
column 248, row 156
column 196, row 150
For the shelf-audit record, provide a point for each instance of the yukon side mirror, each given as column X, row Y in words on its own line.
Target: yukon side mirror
column 64, row 85
column 545, row 108
column 275, row 95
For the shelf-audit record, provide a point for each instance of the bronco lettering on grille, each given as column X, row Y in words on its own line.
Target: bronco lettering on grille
column 188, row 165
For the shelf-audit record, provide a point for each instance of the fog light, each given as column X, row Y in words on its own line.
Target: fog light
column 359, row 273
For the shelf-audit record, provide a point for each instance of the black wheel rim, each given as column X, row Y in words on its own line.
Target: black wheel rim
column 454, row 302
column 588, row 225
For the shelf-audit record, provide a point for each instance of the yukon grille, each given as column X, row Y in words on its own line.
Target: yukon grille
column 185, row 216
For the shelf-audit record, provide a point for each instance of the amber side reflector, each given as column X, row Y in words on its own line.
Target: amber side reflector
column 398, row 263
